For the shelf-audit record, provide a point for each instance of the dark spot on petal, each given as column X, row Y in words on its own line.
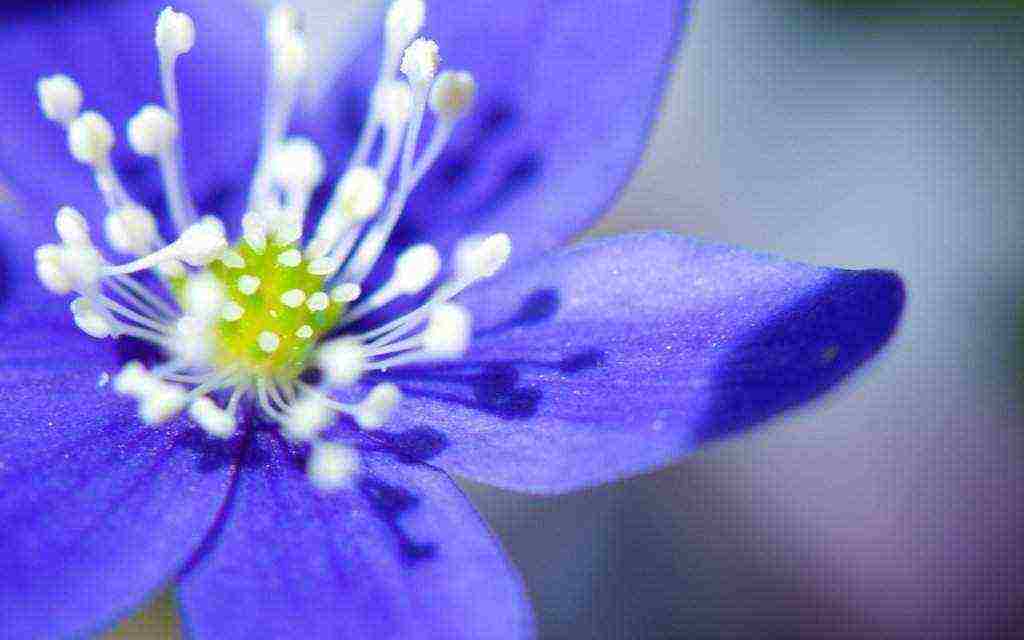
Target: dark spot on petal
column 390, row 503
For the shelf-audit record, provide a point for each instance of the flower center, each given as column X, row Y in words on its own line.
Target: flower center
column 274, row 311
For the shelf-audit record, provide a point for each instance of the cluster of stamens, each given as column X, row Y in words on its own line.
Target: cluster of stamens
column 244, row 320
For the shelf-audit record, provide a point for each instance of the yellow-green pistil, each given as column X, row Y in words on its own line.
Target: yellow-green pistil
column 275, row 311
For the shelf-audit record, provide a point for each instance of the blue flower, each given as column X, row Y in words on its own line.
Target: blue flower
column 285, row 503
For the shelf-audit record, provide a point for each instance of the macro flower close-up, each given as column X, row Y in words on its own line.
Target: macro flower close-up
column 250, row 338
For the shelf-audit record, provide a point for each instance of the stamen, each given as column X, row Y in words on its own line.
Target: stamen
column 342, row 361
column 214, row 420
column 60, row 98
column 90, row 138
column 332, row 465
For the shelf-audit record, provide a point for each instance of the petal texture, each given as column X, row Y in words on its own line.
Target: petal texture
column 108, row 48
column 567, row 94
column 98, row 512
column 620, row 355
column 401, row 555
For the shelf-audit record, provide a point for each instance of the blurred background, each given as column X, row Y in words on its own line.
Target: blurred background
column 859, row 133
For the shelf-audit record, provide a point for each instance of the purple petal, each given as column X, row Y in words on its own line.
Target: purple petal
column 401, row 555
column 621, row 355
column 108, row 47
column 567, row 94
column 98, row 511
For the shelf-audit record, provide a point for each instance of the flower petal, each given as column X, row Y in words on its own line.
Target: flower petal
column 98, row 512
column 108, row 48
column 567, row 95
column 621, row 355
column 402, row 555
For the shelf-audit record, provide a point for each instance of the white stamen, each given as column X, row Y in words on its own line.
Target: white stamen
column 152, row 131
column 162, row 402
column 72, row 227
column 318, row 302
column 477, row 258
column 191, row 341
column 268, row 341
column 282, row 21
column 60, row 98
column 306, row 418
column 415, row 268
column 448, row 331
column 392, row 102
column 131, row 230
column 291, row 57
column 248, row 284
column 90, row 138
column 204, row 296
column 453, row 94
column 403, row 21
column 50, row 270
column 293, row 298
column 342, row 360
column 420, row 61
column 214, row 420
column 89, row 320
column 201, row 243
column 297, row 165
column 305, row 332
column 175, row 33
column 331, row 465
column 346, row 292
column 376, row 408
column 133, row 379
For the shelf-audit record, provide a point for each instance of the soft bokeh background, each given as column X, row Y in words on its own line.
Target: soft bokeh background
column 859, row 133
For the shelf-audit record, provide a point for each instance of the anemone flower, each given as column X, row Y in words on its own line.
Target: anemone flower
column 262, row 406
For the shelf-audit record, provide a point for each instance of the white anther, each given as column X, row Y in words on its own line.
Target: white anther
column 72, row 227
column 318, row 301
column 298, row 165
column 214, row 420
column 215, row 224
column 201, row 243
column 448, row 331
column 152, row 130
column 346, row 292
column 305, row 332
column 415, row 268
column 130, row 230
column 50, row 270
column 282, row 21
column 232, row 259
column 291, row 56
column 90, row 138
column 268, row 341
column 477, row 258
column 293, row 298
column 89, row 319
column 342, row 361
column 453, row 94
column 404, row 20
column 192, row 338
column 133, row 379
column 376, row 408
column 60, row 98
column 162, row 402
column 361, row 193
column 290, row 258
column 203, row 296
column 421, row 61
column 306, row 418
column 324, row 266
column 175, row 32
column 82, row 264
column 392, row 100
column 232, row 312
column 254, row 232
column 331, row 465
column 171, row 269
column 248, row 284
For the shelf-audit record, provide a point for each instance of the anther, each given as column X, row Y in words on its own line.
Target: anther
column 331, row 465
column 298, row 165
column 89, row 319
column 214, row 420
column 50, row 270
column 477, row 258
column 152, row 131
column 342, row 361
column 72, row 227
column 453, row 94
column 90, row 138
column 175, row 33
column 60, row 98
column 130, row 230
column 421, row 61
column 376, row 408
column 448, row 331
